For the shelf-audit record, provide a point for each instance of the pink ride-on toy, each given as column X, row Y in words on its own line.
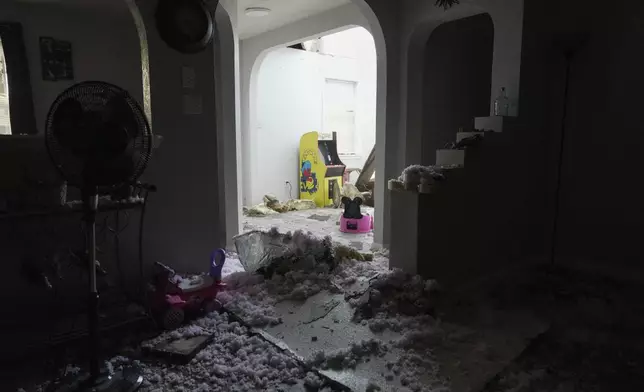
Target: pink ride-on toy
column 175, row 297
column 352, row 220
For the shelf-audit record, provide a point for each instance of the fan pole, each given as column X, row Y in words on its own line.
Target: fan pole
column 91, row 205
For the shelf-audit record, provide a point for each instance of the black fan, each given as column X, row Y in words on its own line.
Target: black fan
column 98, row 138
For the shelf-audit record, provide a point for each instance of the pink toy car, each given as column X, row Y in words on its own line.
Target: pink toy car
column 176, row 296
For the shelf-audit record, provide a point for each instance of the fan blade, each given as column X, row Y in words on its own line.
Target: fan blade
column 112, row 128
column 97, row 135
column 67, row 123
column 119, row 112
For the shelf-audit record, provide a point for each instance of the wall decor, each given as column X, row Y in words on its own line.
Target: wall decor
column 56, row 59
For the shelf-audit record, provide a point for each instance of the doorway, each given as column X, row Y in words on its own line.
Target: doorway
column 326, row 85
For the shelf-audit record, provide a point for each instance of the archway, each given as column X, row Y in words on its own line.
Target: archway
column 145, row 56
column 457, row 81
column 253, row 53
column 507, row 20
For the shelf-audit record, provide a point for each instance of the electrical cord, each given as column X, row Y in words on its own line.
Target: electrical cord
column 141, row 230
column 568, row 55
column 290, row 190
column 58, row 301
column 144, row 190
column 117, row 249
column 117, row 229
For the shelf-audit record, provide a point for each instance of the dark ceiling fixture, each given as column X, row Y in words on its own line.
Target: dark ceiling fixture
column 446, row 4
column 185, row 25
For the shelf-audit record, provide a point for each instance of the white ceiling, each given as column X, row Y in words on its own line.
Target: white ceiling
column 282, row 13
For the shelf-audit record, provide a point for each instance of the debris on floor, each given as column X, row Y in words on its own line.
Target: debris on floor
column 320, row 218
column 280, row 267
column 235, row 360
column 351, row 191
column 272, row 206
column 344, row 323
column 322, row 314
column 300, row 205
column 397, row 293
column 259, row 210
column 343, row 252
column 320, row 227
column 350, row 356
column 182, row 350
column 273, row 252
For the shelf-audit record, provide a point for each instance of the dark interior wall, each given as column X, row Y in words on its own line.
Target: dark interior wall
column 182, row 223
column 457, row 80
column 600, row 217
column 495, row 205
column 105, row 46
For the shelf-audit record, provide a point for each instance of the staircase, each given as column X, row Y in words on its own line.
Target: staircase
column 479, row 218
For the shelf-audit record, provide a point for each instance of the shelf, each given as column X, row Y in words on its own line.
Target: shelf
column 70, row 209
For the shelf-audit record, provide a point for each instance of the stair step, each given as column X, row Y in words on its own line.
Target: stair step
column 443, row 168
column 464, row 135
column 491, row 123
column 450, row 157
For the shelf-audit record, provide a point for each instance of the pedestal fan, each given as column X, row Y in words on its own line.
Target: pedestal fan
column 98, row 138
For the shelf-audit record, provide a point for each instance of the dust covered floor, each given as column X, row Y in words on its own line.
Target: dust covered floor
column 368, row 328
column 595, row 342
column 321, row 222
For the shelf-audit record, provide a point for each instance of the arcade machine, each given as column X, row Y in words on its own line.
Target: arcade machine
column 321, row 170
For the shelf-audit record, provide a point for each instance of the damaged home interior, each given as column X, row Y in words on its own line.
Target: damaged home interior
column 337, row 195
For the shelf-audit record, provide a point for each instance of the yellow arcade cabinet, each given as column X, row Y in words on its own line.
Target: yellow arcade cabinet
column 321, row 170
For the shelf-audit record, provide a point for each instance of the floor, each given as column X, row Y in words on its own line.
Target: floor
column 362, row 327
column 595, row 342
column 321, row 222
column 333, row 324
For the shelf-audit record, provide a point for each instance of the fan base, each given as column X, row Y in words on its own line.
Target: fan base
column 128, row 380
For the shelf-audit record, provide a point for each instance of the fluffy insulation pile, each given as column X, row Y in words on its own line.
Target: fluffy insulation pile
column 237, row 360
column 234, row 361
column 252, row 296
column 384, row 300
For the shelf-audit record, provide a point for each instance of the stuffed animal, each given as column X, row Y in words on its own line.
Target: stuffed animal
column 352, row 208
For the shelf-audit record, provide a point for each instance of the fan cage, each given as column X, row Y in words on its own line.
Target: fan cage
column 93, row 97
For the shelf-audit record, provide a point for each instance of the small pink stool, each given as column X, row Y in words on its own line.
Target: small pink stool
column 356, row 226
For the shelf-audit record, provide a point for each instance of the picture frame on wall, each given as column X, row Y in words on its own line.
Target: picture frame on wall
column 56, row 59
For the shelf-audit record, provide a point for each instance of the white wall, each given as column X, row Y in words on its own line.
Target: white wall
column 288, row 105
column 105, row 46
column 290, row 102
column 5, row 117
column 377, row 16
column 380, row 17
column 253, row 51
column 357, row 43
